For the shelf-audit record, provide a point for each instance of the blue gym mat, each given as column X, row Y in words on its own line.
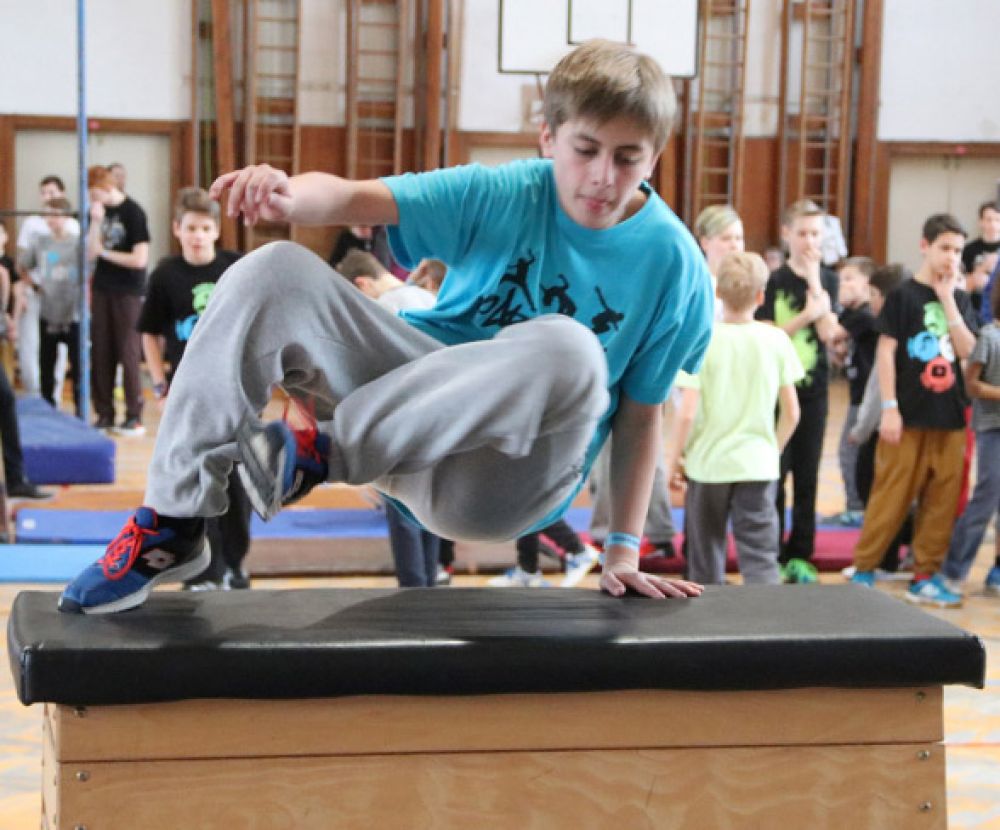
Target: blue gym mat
column 98, row 527
column 61, row 449
column 45, row 563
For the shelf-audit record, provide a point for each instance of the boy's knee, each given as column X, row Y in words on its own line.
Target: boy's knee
column 275, row 269
column 570, row 349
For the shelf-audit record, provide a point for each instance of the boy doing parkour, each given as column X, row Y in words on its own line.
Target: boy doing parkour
column 573, row 297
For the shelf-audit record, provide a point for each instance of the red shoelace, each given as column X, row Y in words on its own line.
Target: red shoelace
column 305, row 436
column 126, row 545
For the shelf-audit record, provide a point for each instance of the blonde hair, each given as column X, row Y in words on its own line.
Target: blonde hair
column 714, row 220
column 603, row 80
column 796, row 210
column 742, row 276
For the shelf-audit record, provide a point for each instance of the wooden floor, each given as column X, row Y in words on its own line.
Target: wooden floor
column 972, row 717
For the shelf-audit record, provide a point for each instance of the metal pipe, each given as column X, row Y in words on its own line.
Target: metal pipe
column 81, row 144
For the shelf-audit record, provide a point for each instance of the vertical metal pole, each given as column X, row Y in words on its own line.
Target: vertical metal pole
column 81, row 144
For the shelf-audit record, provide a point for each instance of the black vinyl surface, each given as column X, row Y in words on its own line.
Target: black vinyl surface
column 331, row 642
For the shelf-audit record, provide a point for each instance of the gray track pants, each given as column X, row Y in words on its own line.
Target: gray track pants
column 749, row 506
column 480, row 440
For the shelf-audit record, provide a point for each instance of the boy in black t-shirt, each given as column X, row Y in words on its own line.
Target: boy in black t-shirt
column 799, row 300
column 927, row 327
column 118, row 241
column 854, row 343
column 179, row 291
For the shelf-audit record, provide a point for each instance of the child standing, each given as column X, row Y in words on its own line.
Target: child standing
column 481, row 417
column 855, row 338
column 179, row 290
column 49, row 270
column 983, row 382
column 926, row 328
column 799, row 300
column 864, row 433
column 731, row 459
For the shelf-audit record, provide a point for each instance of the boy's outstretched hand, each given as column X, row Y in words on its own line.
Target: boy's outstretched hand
column 618, row 577
column 260, row 192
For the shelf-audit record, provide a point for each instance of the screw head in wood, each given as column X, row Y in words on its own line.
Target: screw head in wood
column 83, row 775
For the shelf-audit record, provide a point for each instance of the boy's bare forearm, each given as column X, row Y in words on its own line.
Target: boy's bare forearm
column 633, row 464
column 788, row 415
column 325, row 199
column 154, row 357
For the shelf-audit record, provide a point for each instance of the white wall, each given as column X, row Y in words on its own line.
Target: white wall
column 940, row 70
column 138, row 58
column 940, row 65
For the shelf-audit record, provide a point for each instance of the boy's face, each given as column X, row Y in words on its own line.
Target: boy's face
column 100, row 194
column 943, row 255
column 989, row 225
column 804, row 237
column 49, row 190
column 729, row 241
column 854, row 289
column 598, row 168
column 197, row 233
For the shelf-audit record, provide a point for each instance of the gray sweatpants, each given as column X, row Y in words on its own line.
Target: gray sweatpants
column 480, row 440
column 749, row 507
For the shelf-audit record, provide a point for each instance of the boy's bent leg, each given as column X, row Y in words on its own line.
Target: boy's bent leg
column 755, row 529
column 279, row 315
column 483, row 440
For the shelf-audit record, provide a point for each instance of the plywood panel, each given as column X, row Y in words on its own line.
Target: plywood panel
column 819, row 787
column 219, row 728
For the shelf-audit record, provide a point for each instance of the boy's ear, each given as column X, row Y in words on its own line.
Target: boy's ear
column 175, row 226
column 924, row 245
column 366, row 285
column 652, row 165
column 786, row 233
column 547, row 141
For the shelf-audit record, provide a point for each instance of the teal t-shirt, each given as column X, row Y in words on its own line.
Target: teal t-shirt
column 733, row 438
column 513, row 254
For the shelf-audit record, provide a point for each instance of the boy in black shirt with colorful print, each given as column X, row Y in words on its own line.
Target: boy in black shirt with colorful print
column 927, row 327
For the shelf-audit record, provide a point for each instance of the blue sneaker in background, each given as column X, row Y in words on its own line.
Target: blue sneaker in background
column 148, row 551
column 866, row 578
column 993, row 581
column 934, row 592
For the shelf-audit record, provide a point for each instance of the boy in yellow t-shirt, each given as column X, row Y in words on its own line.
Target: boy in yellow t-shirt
column 726, row 431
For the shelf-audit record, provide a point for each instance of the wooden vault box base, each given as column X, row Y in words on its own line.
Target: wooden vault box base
column 816, row 758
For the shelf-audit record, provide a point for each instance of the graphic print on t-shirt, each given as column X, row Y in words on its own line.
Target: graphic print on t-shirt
column 513, row 299
column 112, row 232
column 933, row 348
column 200, row 295
column 804, row 341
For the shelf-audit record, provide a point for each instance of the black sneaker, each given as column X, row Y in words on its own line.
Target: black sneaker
column 27, row 490
column 280, row 464
column 150, row 549
column 236, row 580
column 104, row 423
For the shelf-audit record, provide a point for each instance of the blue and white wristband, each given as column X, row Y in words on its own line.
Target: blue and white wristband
column 624, row 540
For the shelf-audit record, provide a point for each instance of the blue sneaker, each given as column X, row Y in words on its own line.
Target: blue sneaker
column 993, row 581
column 934, row 592
column 279, row 464
column 149, row 550
column 866, row 578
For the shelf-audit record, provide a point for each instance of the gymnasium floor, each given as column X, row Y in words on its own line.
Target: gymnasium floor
column 972, row 717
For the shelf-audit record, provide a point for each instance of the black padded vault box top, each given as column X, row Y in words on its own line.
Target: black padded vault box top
column 323, row 643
